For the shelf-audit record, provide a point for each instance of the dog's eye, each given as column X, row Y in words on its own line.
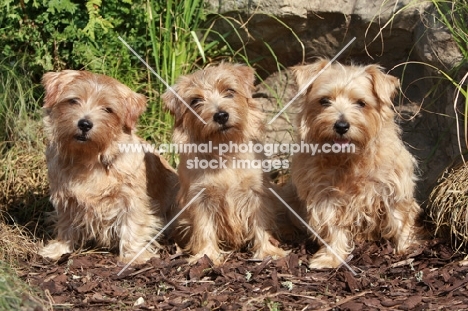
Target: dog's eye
column 108, row 110
column 73, row 101
column 195, row 101
column 230, row 93
column 361, row 103
column 325, row 101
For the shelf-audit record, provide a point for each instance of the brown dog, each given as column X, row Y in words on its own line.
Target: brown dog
column 102, row 193
column 236, row 208
column 361, row 185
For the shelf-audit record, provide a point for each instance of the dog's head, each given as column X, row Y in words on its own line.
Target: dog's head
column 221, row 96
column 86, row 111
column 344, row 104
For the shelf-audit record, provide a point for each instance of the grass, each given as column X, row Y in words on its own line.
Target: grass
column 176, row 50
column 23, row 182
column 17, row 246
column 23, row 177
column 18, row 106
column 17, row 295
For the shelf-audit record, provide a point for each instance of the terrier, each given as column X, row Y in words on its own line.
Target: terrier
column 236, row 210
column 361, row 185
column 115, row 198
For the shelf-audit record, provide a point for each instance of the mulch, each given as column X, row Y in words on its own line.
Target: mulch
column 432, row 277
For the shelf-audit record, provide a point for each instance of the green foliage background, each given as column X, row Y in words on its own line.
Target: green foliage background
column 54, row 35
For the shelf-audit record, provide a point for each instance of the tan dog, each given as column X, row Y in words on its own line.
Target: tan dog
column 236, row 208
column 368, row 192
column 101, row 194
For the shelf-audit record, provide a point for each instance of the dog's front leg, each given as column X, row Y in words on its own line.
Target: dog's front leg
column 67, row 235
column 204, row 239
column 327, row 227
column 401, row 226
column 263, row 223
column 136, row 230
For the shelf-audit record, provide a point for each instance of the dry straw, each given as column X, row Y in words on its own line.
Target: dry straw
column 23, row 201
column 448, row 207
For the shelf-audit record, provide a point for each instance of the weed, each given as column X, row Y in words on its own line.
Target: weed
column 288, row 284
column 272, row 305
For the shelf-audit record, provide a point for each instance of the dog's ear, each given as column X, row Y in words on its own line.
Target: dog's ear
column 306, row 73
column 246, row 76
column 53, row 83
column 172, row 102
column 136, row 105
column 385, row 86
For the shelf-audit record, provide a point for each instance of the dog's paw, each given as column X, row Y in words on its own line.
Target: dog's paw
column 271, row 250
column 55, row 249
column 137, row 257
column 215, row 256
column 406, row 246
column 324, row 261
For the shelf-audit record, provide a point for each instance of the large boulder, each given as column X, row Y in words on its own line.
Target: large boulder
column 298, row 31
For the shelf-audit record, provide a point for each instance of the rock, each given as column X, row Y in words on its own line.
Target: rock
column 434, row 43
column 139, row 302
column 298, row 31
column 274, row 94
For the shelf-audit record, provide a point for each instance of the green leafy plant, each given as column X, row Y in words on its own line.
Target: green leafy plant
column 56, row 35
column 272, row 305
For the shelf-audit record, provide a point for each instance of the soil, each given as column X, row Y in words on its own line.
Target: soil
column 432, row 277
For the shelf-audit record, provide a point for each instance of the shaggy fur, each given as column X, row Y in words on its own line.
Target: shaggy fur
column 236, row 207
column 364, row 195
column 118, row 200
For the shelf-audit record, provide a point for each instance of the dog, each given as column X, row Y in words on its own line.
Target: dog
column 115, row 199
column 365, row 190
column 235, row 210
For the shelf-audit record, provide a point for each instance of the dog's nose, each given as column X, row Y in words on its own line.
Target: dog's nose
column 341, row 127
column 221, row 117
column 85, row 125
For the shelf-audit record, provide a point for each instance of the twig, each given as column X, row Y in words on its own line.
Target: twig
column 263, row 297
column 347, row 299
column 140, row 271
column 402, row 263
